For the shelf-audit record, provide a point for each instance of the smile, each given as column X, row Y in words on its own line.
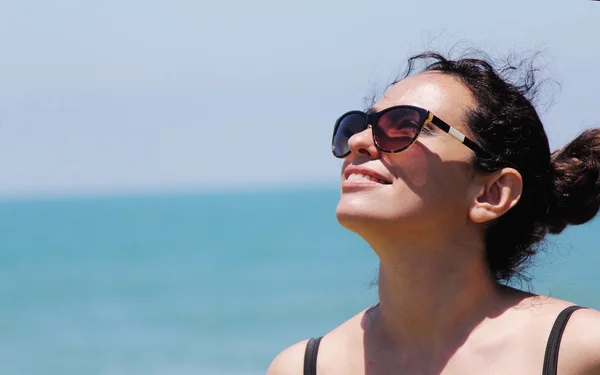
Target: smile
column 360, row 175
column 364, row 177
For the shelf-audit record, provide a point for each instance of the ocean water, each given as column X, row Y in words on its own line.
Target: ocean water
column 199, row 284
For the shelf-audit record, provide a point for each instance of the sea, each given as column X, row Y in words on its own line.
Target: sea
column 200, row 283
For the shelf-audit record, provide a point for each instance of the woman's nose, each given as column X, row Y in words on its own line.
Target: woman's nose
column 362, row 144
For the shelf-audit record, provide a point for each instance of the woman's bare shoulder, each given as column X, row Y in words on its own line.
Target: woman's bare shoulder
column 291, row 360
column 580, row 345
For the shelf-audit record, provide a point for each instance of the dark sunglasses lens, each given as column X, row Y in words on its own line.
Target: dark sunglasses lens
column 397, row 129
column 348, row 125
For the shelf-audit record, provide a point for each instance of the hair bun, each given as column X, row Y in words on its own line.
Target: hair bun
column 575, row 170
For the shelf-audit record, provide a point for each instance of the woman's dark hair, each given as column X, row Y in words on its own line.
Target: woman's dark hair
column 559, row 189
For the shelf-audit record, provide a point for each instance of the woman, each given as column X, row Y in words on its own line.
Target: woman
column 449, row 178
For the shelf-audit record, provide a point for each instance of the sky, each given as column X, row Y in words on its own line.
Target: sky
column 137, row 96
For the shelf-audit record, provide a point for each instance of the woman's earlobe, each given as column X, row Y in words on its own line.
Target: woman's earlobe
column 481, row 213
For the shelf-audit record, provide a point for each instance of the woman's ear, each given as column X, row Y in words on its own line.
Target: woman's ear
column 495, row 194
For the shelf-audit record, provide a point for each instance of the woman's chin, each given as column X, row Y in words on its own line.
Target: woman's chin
column 356, row 215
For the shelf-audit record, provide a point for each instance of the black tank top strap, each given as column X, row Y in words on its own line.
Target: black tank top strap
column 310, row 356
column 553, row 345
column 550, row 358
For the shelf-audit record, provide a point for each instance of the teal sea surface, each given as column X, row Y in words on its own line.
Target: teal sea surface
column 213, row 283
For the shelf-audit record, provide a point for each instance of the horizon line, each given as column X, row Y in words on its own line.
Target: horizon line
column 159, row 191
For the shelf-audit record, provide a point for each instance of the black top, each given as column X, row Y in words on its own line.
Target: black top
column 550, row 358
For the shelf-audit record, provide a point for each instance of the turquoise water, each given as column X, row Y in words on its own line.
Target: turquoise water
column 198, row 284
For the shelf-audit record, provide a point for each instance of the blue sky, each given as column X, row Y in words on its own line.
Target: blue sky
column 141, row 96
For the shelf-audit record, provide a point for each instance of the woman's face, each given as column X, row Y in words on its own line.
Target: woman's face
column 427, row 185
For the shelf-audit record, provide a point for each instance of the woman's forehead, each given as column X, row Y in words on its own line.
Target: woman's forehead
column 440, row 93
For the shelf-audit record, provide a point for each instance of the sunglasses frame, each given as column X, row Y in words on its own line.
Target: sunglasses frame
column 426, row 117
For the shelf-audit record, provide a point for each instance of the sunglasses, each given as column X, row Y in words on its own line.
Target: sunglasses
column 394, row 129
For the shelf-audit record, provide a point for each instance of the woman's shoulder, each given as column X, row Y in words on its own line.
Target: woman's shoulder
column 579, row 350
column 290, row 361
column 580, row 344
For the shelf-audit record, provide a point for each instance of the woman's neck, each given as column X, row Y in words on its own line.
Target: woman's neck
column 433, row 295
